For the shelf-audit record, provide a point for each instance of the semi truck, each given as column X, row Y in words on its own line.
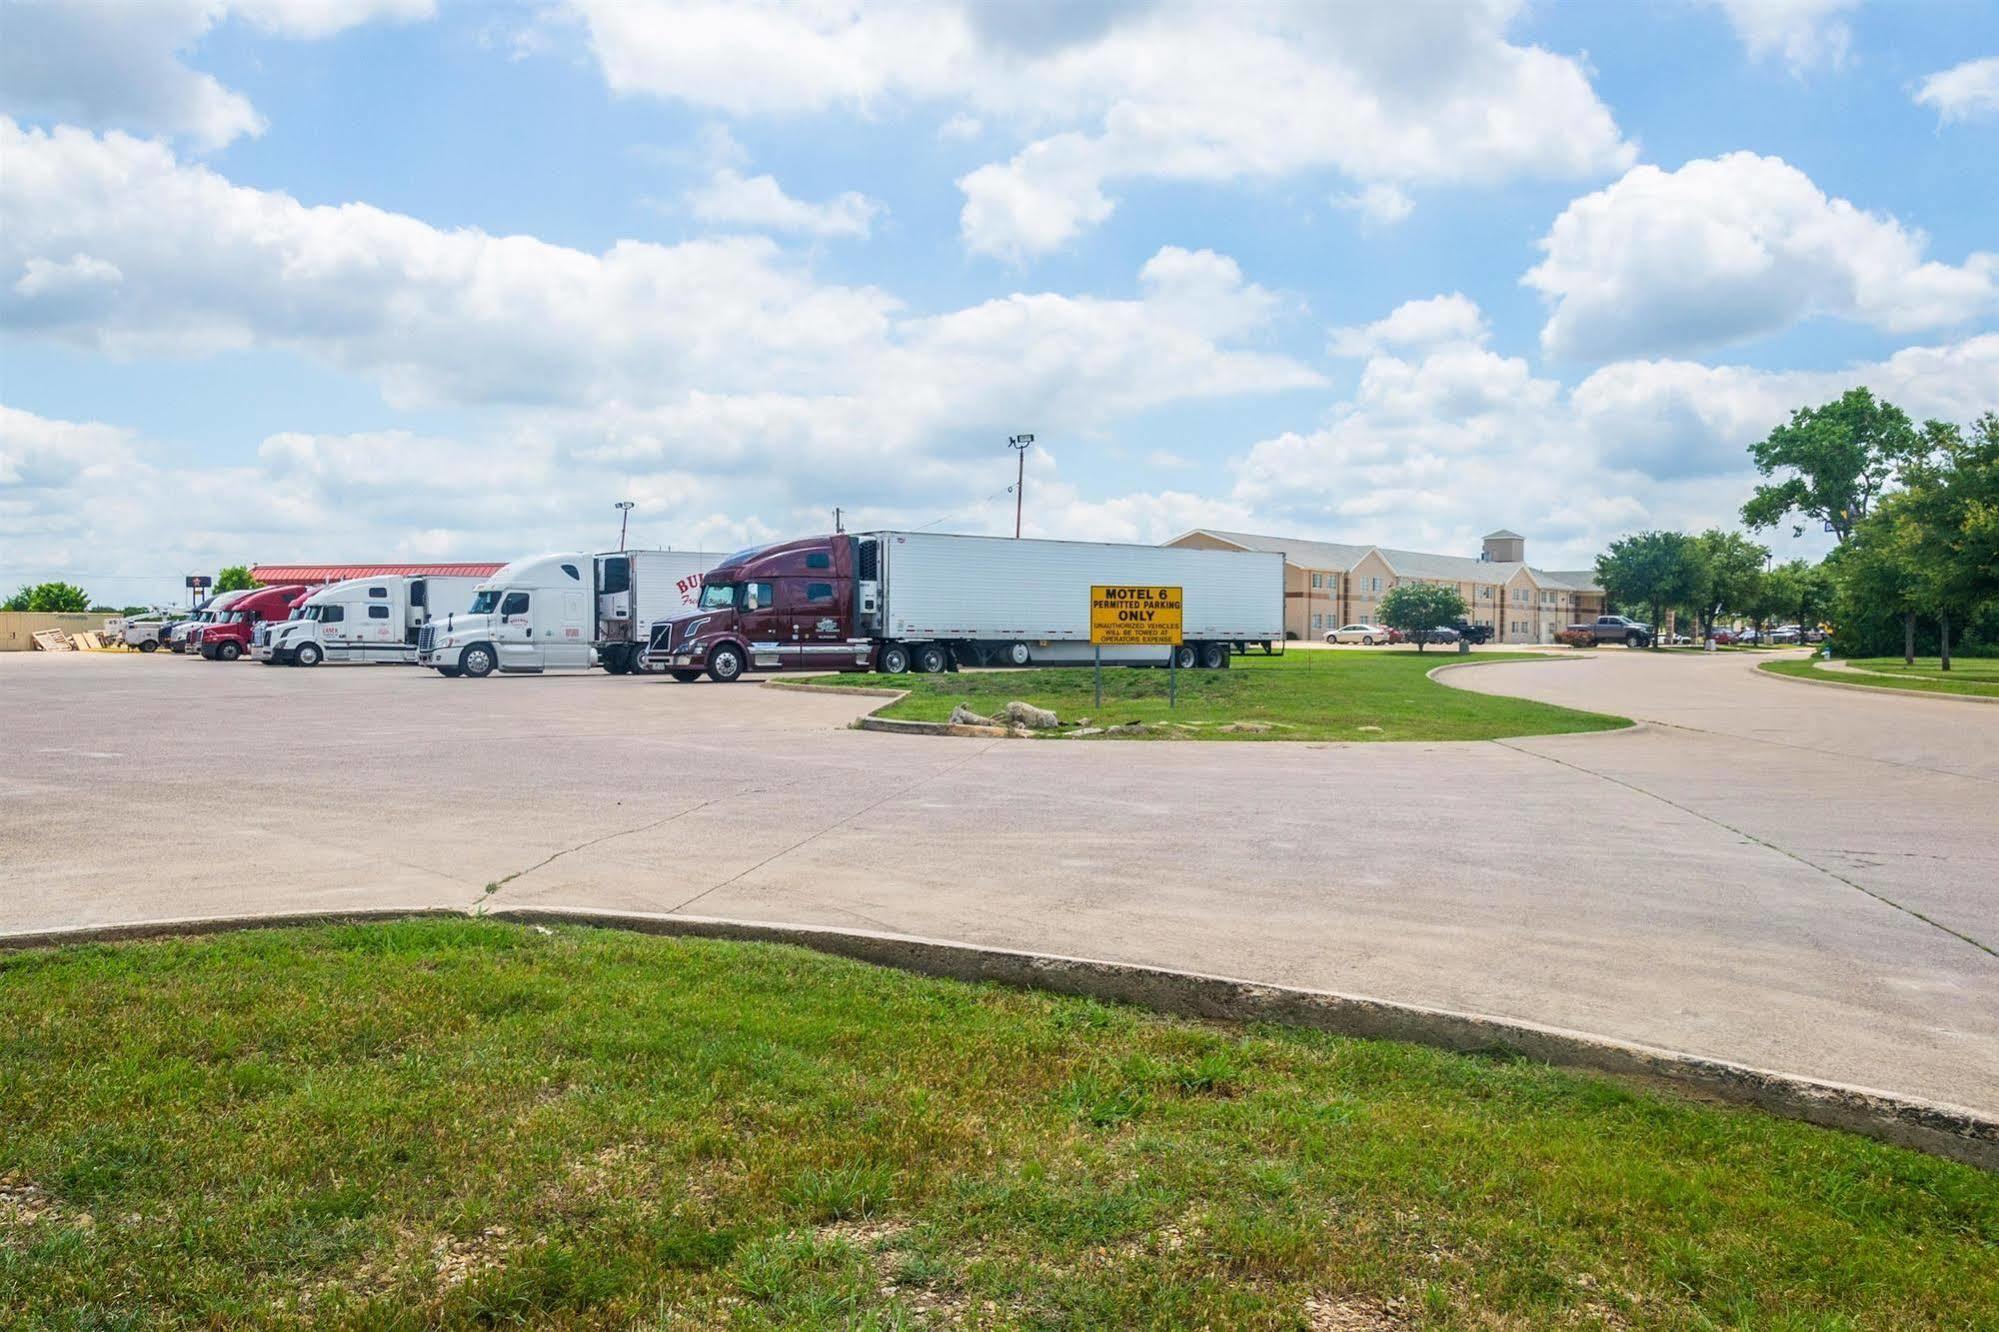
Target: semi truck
column 227, row 636
column 206, row 613
column 927, row 601
column 362, row 620
column 564, row 612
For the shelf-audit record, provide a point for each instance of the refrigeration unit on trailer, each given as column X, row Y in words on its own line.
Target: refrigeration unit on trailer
column 364, row 620
column 564, row 612
column 927, row 601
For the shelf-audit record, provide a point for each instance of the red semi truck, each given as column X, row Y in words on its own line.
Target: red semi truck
column 930, row 601
column 228, row 637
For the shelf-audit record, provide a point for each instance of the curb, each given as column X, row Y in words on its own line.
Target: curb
column 1876, row 690
column 1632, row 725
column 1953, row 1132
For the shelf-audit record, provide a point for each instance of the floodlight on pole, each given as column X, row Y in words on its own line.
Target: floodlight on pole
column 624, row 508
column 1019, row 444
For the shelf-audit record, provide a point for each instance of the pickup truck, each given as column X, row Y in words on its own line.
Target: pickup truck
column 1472, row 633
column 1615, row 629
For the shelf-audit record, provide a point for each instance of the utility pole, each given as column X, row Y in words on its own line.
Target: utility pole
column 1019, row 444
column 624, row 516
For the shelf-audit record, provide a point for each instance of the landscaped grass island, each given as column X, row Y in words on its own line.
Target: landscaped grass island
column 1306, row 695
column 458, row 1124
column 1974, row 676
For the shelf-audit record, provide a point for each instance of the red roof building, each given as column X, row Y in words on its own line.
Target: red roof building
column 315, row 575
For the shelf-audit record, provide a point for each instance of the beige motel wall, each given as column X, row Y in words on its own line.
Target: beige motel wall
column 18, row 628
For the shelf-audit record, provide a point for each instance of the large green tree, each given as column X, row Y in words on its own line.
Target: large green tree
column 1417, row 608
column 1880, row 573
column 1952, row 503
column 60, row 597
column 1653, row 569
column 1831, row 463
column 1728, row 571
column 1801, row 590
column 235, row 578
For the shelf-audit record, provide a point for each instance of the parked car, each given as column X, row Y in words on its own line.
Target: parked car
column 1616, row 629
column 1369, row 634
column 1443, row 633
column 1725, row 637
column 1786, row 634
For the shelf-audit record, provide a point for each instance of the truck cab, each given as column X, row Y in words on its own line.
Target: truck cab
column 374, row 619
column 186, row 634
column 533, row 615
column 227, row 637
column 805, row 604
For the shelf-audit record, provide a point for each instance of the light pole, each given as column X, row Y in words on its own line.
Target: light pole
column 624, row 508
column 1019, row 444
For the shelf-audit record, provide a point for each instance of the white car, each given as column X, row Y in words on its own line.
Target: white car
column 1368, row 634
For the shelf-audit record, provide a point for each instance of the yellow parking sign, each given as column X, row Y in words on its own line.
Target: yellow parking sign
column 1126, row 616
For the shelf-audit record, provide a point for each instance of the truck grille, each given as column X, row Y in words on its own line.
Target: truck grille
column 262, row 635
column 426, row 638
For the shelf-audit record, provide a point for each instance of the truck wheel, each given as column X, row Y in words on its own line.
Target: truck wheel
column 686, row 677
column 1633, row 640
column 228, row 651
column 1018, row 655
column 308, row 654
column 149, row 647
column 615, row 661
column 448, row 672
column 894, row 659
column 1183, row 656
column 932, row 659
column 1214, row 656
column 476, row 661
column 725, row 665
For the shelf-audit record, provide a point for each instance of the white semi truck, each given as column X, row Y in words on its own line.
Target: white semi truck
column 362, row 620
column 565, row 612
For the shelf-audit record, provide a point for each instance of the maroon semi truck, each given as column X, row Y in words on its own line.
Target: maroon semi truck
column 931, row 601
column 228, row 638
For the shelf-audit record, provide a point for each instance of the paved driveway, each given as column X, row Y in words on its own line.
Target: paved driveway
column 1795, row 878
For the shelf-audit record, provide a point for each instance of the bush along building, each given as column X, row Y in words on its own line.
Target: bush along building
column 1328, row 584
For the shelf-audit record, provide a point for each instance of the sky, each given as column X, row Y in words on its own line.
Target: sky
column 360, row 280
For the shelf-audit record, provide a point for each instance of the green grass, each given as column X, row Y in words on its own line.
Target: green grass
column 1304, row 695
column 1976, row 676
column 460, row 1124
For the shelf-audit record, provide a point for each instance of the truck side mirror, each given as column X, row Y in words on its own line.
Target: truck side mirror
column 750, row 601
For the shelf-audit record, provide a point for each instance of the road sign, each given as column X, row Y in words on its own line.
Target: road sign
column 199, row 582
column 1122, row 616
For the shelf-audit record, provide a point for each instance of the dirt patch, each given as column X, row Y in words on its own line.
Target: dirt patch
column 456, row 1259
column 1337, row 1313
column 24, row 1204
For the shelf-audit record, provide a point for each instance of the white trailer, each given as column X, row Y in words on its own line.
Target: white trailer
column 636, row 588
column 362, row 620
column 1027, row 602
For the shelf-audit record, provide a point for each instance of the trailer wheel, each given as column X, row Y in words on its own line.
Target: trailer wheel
column 151, row 645
column 1184, row 656
column 725, row 665
column 1214, row 656
column 685, row 677
column 228, row 651
column 476, row 661
column 894, row 659
column 308, row 654
column 1018, row 655
column 932, row 659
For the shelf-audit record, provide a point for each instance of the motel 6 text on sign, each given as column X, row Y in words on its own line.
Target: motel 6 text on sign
column 1123, row 616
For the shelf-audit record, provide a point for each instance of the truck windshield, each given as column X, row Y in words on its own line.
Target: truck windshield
column 486, row 602
column 718, row 596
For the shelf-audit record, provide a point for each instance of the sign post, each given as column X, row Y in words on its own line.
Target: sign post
column 1122, row 616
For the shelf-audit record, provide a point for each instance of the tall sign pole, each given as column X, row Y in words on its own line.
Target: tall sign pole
column 1019, row 444
column 624, row 517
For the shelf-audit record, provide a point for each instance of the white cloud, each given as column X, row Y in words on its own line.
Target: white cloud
column 1172, row 89
column 961, row 128
column 1731, row 248
column 1452, row 318
column 1963, row 92
column 106, row 63
column 733, row 199
column 1806, row 33
column 1378, row 205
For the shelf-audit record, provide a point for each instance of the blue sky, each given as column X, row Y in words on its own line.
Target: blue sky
column 359, row 279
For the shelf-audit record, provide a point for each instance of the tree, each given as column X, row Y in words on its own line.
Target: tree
column 1801, row 588
column 1655, row 569
column 1952, row 503
column 1729, row 567
column 64, row 598
column 235, row 578
column 1417, row 608
column 1880, row 572
column 1838, row 458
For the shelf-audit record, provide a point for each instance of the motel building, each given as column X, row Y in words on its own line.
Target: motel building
column 1327, row 584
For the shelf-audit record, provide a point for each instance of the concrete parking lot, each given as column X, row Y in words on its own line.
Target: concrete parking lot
column 1795, row 878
